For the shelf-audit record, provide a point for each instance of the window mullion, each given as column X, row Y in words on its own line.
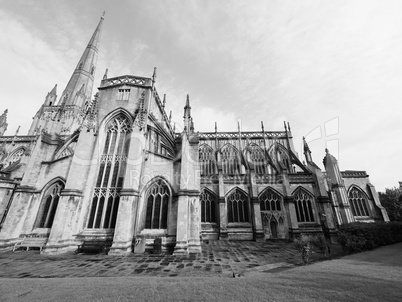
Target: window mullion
column 49, row 212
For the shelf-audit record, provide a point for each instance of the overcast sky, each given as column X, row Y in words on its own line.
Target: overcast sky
column 332, row 69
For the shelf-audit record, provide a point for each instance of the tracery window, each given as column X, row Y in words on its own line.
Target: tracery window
column 358, row 203
column 304, row 206
column 209, row 203
column 207, row 161
column 270, row 201
column 14, row 157
column 256, row 158
column 47, row 209
column 230, row 160
column 157, row 206
column 237, row 204
column 105, row 201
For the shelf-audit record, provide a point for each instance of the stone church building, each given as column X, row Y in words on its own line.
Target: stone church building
column 112, row 168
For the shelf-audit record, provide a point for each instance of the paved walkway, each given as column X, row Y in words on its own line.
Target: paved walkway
column 370, row 276
column 218, row 258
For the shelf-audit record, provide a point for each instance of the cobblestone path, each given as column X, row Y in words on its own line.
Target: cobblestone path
column 218, row 258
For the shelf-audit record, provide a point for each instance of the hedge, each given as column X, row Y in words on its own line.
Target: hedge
column 358, row 237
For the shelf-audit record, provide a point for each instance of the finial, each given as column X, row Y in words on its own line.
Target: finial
column 238, row 125
column 154, row 76
column 188, row 101
column 174, row 128
column 262, row 126
column 288, row 126
column 191, row 124
column 105, row 75
column 216, row 127
column 103, row 15
column 326, row 151
column 170, row 116
column 284, row 123
column 164, row 101
column 18, row 130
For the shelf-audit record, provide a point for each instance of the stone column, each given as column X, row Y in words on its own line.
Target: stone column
column 223, row 219
column 257, row 221
column 126, row 220
column 124, row 229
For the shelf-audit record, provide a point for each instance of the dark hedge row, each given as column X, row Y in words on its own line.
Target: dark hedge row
column 358, row 237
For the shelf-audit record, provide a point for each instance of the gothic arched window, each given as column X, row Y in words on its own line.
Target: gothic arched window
column 270, row 201
column 304, row 206
column 207, row 161
column 48, row 206
column 230, row 160
column 237, row 203
column 208, row 206
column 105, row 201
column 157, row 206
column 256, row 158
column 358, row 203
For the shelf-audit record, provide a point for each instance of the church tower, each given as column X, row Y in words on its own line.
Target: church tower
column 65, row 116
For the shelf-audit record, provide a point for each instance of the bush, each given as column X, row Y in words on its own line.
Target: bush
column 358, row 237
column 303, row 245
column 321, row 244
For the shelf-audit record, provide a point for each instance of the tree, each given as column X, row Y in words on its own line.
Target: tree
column 391, row 200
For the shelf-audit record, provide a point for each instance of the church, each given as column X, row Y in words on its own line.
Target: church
column 109, row 166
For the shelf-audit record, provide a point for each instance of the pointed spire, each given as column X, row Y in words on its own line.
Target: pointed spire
column 262, row 127
column 307, row 151
column 170, row 116
column 187, row 114
column 154, row 77
column 216, row 127
column 54, row 90
column 105, row 75
column 164, row 100
column 3, row 122
column 51, row 97
column 85, row 69
column 15, row 135
column 284, row 124
column 288, row 126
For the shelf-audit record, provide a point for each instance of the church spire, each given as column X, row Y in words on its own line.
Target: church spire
column 85, row 70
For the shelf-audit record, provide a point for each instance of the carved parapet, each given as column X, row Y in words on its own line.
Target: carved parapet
column 242, row 135
column 354, row 174
column 126, row 80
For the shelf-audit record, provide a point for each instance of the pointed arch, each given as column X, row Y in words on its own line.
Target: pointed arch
column 207, row 160
column 113, row 161
column 49, row 201
column 209, row 206
column 304, row 205
column 237, row 205
column 230, row 160
column 358, row 201
column 158, row 194
column 270, row 200
column 255, row 156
